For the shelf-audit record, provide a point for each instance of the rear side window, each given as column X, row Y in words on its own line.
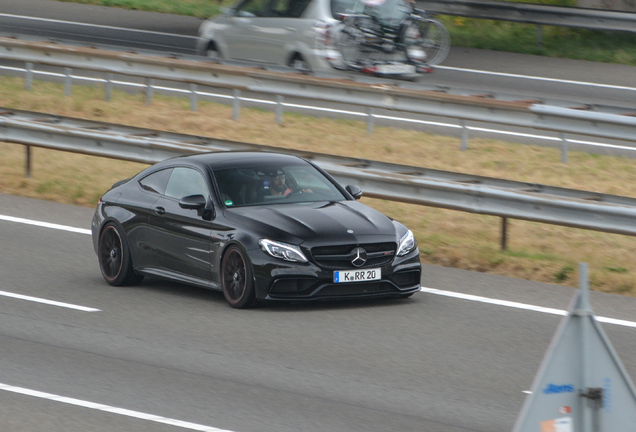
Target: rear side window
column 156, row 182
column 185, row 182
column 253, row 8
column 288, row 8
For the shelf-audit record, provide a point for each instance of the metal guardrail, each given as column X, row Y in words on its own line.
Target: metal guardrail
column 456, row 191
column 595, row 121
column 593, row 19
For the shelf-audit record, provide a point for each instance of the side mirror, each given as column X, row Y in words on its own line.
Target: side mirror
column 228, row 11
column 192, row 202
column 201, row 204
column 355, row 191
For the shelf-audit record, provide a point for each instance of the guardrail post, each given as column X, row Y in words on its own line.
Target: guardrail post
column 564, row 149
column 67, row 81
column 279, row 109
column 108, row 87
column 28, row 78
column 539, row 36
column 504, row 233
column 193, row 97
column 236, row 106
column 464, row 146
column 149, row 90
column 28, row 161
column 370, row 120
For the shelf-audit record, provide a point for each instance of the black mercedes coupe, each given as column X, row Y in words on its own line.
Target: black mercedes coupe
column 257, row 226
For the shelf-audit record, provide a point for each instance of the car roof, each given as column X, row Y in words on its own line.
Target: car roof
column 230, row 159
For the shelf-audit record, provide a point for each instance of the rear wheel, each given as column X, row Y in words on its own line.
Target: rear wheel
column 114, row 258
column 300, row 65
column 236, row 278
column 426, row 41
column 213, row 53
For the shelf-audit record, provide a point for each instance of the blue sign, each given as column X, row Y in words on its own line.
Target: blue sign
column 556, row 389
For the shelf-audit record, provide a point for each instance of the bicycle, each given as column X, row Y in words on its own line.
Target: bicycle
column 418, row 39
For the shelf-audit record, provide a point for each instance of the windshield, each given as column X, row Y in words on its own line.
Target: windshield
column 274, row 184
column 390, row 12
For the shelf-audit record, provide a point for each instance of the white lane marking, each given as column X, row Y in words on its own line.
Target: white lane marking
column 523, row 306
column 41, row 300
column 110, row 409
column 535, row 78
column 72, row 23
column 45, row 224
column 48, row 302
column 423, row 289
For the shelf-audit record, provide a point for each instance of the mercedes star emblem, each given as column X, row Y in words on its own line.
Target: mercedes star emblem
column 358, row 257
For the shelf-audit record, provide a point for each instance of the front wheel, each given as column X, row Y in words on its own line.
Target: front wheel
column 236, row 278
column 426, row 41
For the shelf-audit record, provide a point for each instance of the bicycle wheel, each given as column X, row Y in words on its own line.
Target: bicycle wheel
column 426, row 41
column 349, row 44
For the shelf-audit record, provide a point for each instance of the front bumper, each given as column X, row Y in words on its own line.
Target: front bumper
column 282, row 281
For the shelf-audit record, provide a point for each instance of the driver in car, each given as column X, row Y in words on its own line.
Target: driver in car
column 277, row 184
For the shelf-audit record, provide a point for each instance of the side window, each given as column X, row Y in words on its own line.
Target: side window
column 185, row 182
column 279, row 8
column 288, row 8
column 297, row 7
column 308, row 180
column 253, row 8
column 156, row 182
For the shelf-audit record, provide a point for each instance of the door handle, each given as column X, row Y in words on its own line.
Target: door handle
column 160, row 210
column 291, row 29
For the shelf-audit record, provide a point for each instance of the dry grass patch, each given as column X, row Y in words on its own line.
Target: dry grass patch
column 535, row 251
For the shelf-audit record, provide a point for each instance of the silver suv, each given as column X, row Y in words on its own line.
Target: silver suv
column 322, row 35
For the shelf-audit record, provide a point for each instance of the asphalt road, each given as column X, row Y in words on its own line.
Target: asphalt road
column 429, row 363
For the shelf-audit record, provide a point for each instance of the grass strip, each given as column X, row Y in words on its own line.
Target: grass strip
column 536, row 251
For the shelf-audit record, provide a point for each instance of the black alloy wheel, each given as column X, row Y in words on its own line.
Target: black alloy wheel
column 114, row 258
column 236, row 277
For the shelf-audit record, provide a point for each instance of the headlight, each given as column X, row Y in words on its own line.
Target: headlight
column 407, row 244
column 282, row 250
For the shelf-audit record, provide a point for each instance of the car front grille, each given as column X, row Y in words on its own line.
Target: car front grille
column 303, row 288
column 355, row 289
column 339, row 257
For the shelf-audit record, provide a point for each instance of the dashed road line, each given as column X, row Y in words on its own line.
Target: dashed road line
column 111, row 409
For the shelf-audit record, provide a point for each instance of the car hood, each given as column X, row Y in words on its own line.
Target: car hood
column 317, row 223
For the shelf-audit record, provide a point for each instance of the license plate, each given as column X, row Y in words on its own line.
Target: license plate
column 396, row 69
column 344, row 276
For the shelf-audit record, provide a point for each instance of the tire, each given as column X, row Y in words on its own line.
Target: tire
column 237, row 280
column 427, row 36
column 114, row 257
column 300, row 65
column 213, row 53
